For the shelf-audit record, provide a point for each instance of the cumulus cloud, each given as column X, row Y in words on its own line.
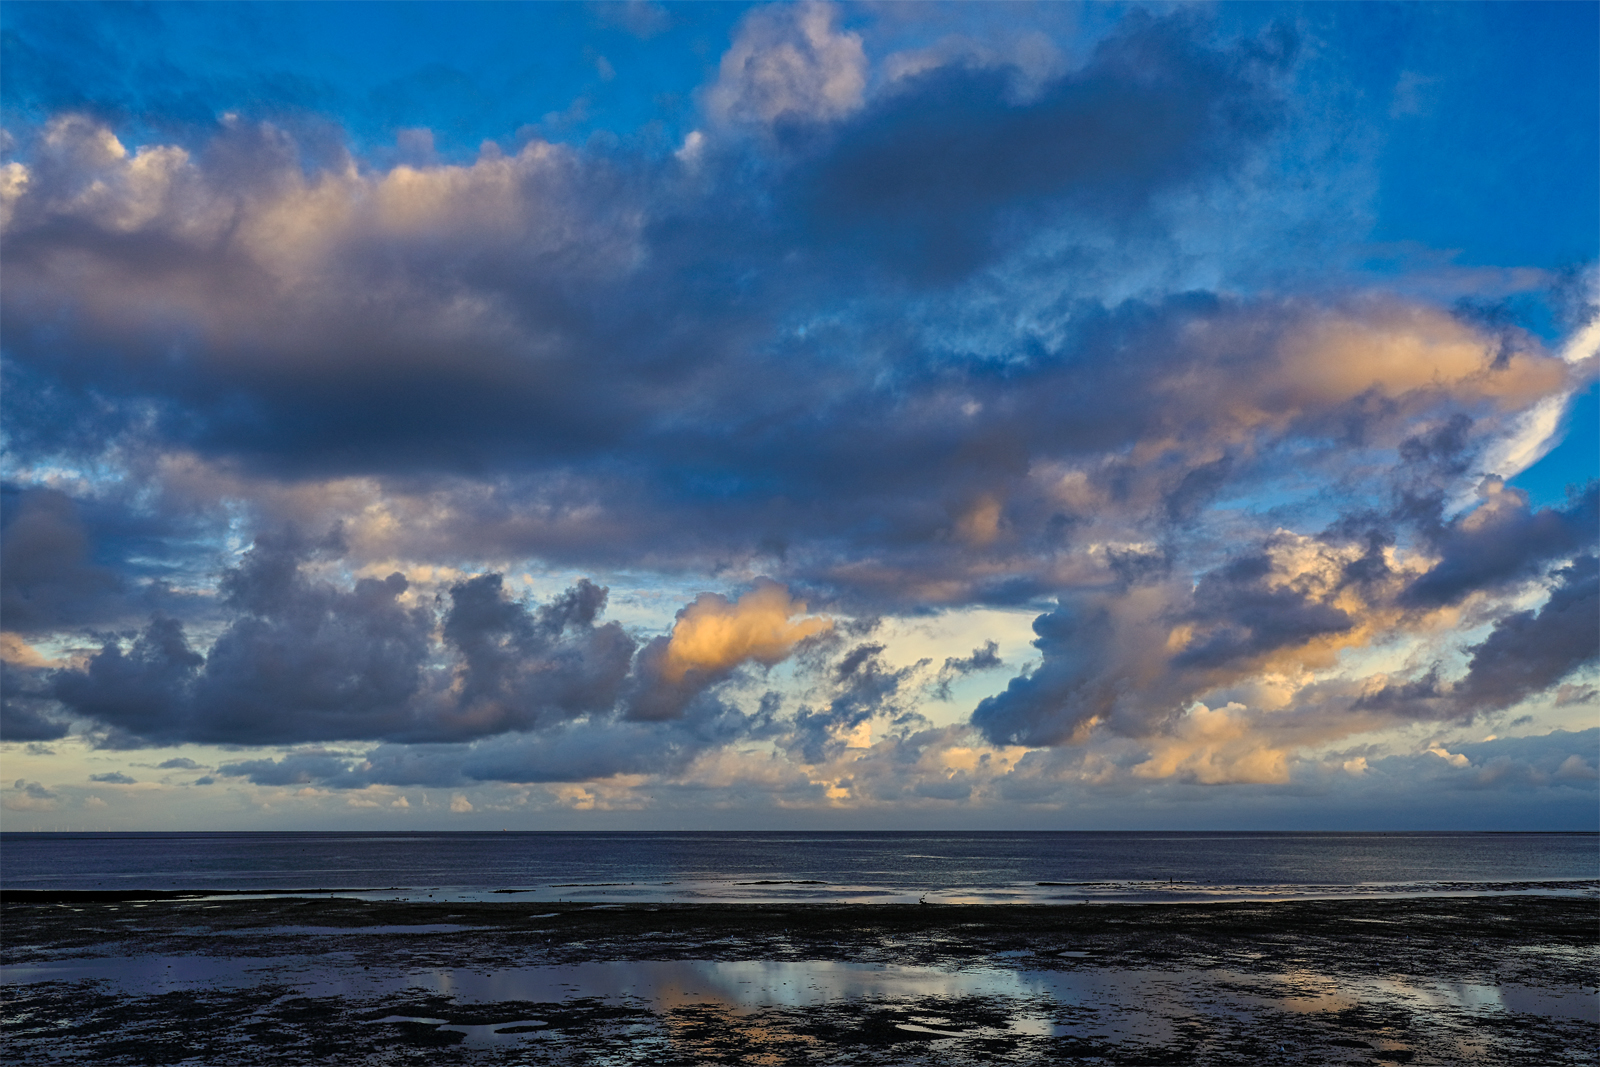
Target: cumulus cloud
column 522, row 668
column 113, row 778
column 713, row 634
column 711, row 637
column 1137, row 663
column 304, row 660
column 899, row 337
column 861, row 687
column 47, row 578
column 1503, row 540
column 29, row 796
column 986, row 658
column 789, row 63
column 28, row 711
column 946, row 159
column 1528, row 652
column 1214, row 748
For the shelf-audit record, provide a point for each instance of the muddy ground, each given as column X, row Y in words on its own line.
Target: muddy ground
column 90, row 978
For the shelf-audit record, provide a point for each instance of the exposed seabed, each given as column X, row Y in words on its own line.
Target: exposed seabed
column 1440, row 980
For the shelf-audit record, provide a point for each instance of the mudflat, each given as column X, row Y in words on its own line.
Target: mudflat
column 144, row 979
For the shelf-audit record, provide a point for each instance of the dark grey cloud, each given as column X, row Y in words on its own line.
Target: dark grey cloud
column 1528, row 652
column 1561, row 759
column 48, row 578
column 1068, row 689
column 863, row 687
column 28, row 711
column 113, row 778
column 592, row 749
column 521, row 668
column 140, row 695
column 1505, row 542
column 300, row 768
column 301, row 660
column 105, row 559
column 1240, row 614
column 1408, row 698
column 564, row 751
column 305, row 660
column 986, row 658
column 930, row 178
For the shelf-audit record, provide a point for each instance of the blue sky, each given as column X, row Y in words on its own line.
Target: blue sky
column 800, row 415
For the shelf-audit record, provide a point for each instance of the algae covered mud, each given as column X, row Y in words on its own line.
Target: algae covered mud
column 134, row 979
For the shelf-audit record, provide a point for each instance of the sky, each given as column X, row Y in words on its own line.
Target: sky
column 785, row 416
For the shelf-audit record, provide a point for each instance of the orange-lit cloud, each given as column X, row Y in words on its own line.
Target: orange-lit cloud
column 713, row 634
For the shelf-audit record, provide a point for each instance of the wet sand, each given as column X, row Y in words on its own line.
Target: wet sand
column 90, row 978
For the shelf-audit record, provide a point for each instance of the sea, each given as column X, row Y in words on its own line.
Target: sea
column 800, row 867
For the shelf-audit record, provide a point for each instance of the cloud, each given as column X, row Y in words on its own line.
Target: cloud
column 303, row 660
column 1087, row 668
column 521, row 669
column 1215, row 748
column 1552, row 761
column 973, row 326
column 141, row 694
column 299, row 768
column 113, row 778
column 1248, row 609
column 21, row 655
column 1147, row 662
column 710, row 638
column 862, row 687
column 28, row 711
column 314, row 347
column 1529, row 652
column 574, row 751
column 986, row 658
column 29, row 796
column 642, row 18
column 789, row 63
column 47, row 579
column 713, row 635
column 947, row 160
column 1502, row 541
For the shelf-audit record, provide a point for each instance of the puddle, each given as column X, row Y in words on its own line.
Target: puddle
column 1583, row 1005
column 736, row 985
column 485, row 1034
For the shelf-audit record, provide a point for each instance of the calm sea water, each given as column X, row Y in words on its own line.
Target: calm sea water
column 881, row 867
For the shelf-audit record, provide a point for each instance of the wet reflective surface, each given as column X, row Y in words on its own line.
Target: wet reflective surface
column 1383, row 982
